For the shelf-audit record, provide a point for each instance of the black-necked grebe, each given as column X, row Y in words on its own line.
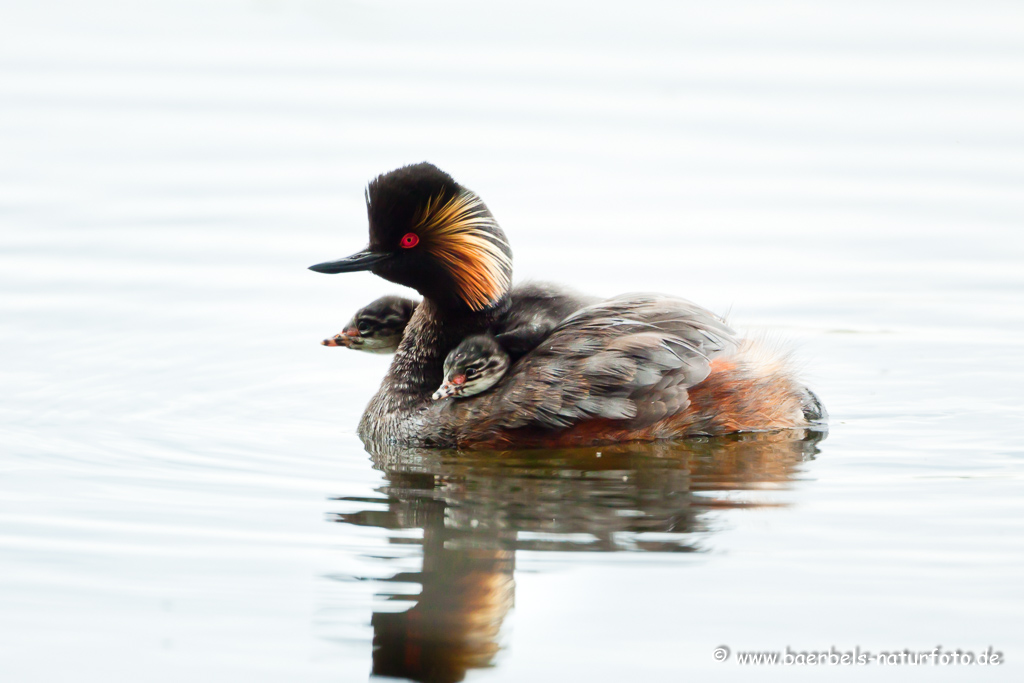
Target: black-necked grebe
column 376, row 327
column 641, row 366
column 474, row 366
column 535, row 309
column 479, row 361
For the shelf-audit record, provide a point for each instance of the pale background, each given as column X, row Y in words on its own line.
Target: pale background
column 844, row 175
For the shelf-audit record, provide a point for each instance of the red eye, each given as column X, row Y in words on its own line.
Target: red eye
column 410, row 240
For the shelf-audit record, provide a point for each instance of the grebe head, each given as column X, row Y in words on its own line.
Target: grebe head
column 377, row 327
column 472, row 367
column 430, row 233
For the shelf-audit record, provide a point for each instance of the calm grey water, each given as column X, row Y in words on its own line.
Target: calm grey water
column 182, row 496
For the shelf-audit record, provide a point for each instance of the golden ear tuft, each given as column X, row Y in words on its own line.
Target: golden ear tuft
column 461, row 234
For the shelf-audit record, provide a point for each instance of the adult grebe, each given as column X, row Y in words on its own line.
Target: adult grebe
column 640, row 366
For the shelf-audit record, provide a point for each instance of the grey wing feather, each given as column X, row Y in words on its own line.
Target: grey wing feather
column 630, row 358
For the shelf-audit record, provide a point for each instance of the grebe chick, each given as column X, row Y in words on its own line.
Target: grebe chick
column 481, row 360
column 473, row 367
column 377, row 327
column 535, row 310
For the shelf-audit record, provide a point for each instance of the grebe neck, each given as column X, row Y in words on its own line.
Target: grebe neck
column 395, row 413
column 433, row 331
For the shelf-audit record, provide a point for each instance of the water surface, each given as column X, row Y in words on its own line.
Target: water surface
column 182, row 494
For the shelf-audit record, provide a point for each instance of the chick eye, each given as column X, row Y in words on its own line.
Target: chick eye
column 363, row 327
column 470, row 372
column 410, row 240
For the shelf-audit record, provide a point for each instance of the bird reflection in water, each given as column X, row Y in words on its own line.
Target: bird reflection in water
column 477, row 509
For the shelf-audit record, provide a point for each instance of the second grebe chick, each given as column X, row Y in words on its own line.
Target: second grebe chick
column 377, row 327
column 535, row 310
column 481, row 360
column 473, row 367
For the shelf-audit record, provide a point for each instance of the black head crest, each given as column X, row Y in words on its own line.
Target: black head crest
column 444, row 240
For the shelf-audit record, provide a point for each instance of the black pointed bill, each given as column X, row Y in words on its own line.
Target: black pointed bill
column 363, row 260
